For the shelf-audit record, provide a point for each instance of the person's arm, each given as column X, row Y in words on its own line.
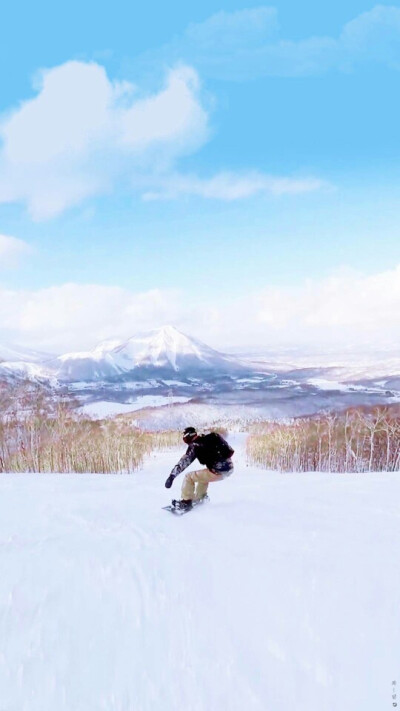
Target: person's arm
column 183, row 463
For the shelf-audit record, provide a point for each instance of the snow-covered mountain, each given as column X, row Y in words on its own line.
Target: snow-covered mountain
column 17, row 370
column 11, row 353
column 164, row 352
column 165, row 366
column 18, row 363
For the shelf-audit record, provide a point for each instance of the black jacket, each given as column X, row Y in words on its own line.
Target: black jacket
column 212, row 450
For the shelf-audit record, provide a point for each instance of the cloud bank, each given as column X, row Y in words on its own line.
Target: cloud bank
column 347, row 307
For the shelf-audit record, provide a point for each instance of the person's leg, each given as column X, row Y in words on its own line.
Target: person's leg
column 202, row 478
column 203, row 481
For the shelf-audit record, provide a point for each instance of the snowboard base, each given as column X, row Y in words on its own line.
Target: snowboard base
column 180, row 512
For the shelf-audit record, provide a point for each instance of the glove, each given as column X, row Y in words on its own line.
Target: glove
column 169, row 481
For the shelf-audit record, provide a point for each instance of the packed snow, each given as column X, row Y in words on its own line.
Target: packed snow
column 281, row 593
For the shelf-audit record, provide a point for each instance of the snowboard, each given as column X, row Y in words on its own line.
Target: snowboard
column 180, row 512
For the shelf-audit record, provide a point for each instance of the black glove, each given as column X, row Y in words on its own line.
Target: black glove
column 169, row 481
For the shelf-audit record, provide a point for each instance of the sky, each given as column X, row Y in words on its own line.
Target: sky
column 229, row 169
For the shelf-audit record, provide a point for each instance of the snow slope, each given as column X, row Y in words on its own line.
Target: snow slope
column 17, row 362
column 15, row 353
column 282, row 593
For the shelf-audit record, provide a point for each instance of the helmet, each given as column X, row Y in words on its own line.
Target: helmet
column 189, row 434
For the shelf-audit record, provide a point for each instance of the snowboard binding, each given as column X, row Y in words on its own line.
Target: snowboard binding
column 180, row 507
column 182, row 503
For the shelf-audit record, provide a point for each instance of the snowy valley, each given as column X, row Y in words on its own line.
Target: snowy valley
column 168, row 369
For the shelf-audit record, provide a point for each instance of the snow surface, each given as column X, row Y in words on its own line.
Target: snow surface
column 327, row 385
column 281, row 593
column 106, row 409
column 200, row 415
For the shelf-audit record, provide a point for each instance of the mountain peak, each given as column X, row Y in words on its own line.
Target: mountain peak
column 166, row 346
column 160, row 352
column 168, row 329
column 170, row 333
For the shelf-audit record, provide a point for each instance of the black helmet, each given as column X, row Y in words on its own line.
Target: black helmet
column 189, row 433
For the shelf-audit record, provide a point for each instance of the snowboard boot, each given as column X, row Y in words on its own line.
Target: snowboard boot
column 182, row 504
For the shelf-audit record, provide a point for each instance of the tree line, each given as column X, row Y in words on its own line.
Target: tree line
column 356, row 440
column 40, row 432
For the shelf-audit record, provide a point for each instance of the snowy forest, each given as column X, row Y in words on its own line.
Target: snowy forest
column 43, row 433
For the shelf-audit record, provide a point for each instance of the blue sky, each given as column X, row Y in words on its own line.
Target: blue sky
column 195, row 157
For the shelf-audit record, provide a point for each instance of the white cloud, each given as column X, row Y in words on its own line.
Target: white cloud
column 231, row 186
column 12, row 250
column 246, row 44
column 82, row 132
column 74, row 316
column 346, row 307
column 374, row 35
column 226, row 30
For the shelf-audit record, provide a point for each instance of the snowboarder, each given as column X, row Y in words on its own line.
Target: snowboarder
column 210, row 449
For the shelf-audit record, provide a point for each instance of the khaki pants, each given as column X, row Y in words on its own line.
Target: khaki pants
column 202, row 478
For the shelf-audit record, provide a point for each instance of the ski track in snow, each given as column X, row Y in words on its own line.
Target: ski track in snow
column 281, row 593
